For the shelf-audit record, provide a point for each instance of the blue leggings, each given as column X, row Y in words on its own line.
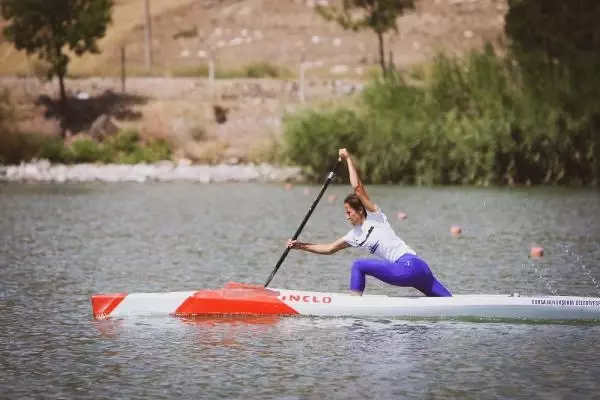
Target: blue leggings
column 409, row 271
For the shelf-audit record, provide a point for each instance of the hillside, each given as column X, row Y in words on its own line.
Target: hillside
column 240, row 32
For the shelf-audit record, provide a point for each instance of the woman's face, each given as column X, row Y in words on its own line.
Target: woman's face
column 353, row 215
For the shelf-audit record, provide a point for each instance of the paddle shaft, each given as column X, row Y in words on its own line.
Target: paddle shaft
column 305, row 220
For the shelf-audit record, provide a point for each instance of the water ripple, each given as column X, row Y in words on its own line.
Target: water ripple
column 63, row 243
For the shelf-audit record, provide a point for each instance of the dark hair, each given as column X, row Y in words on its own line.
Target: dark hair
column 353, row 201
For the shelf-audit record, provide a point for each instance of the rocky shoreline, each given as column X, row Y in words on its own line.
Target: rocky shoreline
column 164, row 171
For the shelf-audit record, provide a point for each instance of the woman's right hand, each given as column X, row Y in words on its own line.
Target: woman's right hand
column 343, row 154
column 292, row 244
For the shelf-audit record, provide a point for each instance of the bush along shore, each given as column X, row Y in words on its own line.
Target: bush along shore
column 482, row 120
column 123, row 157
column 162, row 171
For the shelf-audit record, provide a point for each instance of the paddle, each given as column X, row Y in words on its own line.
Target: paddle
column 306, row 217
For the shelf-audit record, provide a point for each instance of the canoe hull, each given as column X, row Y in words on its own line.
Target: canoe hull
column 238, row 299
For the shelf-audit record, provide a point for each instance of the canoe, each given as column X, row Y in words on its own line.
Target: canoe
column 242, row 299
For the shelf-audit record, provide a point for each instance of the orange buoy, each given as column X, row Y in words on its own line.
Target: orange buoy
column 456, row 230
column 536, row 252
column 288, row 186
column 402, row 215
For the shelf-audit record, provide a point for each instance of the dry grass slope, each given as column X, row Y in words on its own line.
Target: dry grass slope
column 239, row 32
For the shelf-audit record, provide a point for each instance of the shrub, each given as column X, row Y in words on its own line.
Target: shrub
column 125, row 141
column 253, row 70
column 478, row 120
column 155, row 150
column 312, row 138
column 125, row 148
column 265, row 70
column 87, row 150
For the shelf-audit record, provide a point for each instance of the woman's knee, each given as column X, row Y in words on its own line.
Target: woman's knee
column 360, row 265
column 357, row 277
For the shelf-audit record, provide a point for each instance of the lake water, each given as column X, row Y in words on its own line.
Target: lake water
column 62, row 243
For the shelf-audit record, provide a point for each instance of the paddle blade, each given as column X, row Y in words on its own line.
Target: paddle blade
column 239, row 285
column 235, row 298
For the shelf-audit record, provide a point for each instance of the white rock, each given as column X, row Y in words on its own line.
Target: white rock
column 236, row 41
column 82, row 95
column 168, row 171
column 338, row 69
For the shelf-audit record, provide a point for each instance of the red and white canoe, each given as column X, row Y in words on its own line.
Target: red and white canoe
column 239, row 299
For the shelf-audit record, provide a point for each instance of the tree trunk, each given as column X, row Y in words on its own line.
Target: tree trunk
column 381, row 53
column 64, row 105
column 148, row 36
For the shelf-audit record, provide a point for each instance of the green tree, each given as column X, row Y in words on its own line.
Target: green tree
column 378, row 15
column 558, row 37
column 50, row 28
column 556, row 44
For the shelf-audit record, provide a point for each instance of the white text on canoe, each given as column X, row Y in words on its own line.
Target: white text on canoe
column 306, row 298
column 565, row 302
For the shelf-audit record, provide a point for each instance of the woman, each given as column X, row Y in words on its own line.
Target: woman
column 398, row 264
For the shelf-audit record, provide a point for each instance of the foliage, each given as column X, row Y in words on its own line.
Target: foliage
column 189, row 32
column 558, row 40
column 125, row 147
column 156, row 149
column 377, row 15
column 7, row 112
column 265, row 70
column 560, row 30
column 556, row 45
column 311, row 135
column 262, row 69
column 48, row 28
column 23, row 146
column 475, row 121
column 87, row 150
column 126, row 141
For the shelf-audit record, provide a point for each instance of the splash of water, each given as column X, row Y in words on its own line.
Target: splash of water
column 540, row 275
column 584, row 268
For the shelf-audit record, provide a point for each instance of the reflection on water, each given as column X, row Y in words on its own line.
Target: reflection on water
column 225, row 331
column 231, row 320
column 64, row 243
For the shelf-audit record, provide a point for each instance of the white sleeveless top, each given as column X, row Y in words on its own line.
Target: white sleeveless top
column 377, row 237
